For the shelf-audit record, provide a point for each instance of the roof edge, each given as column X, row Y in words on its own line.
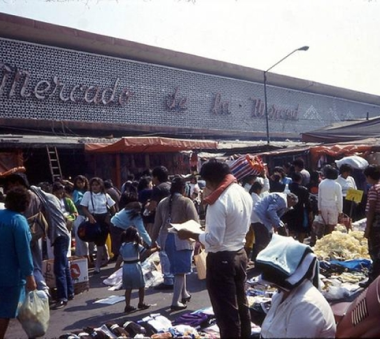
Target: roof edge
column 29, row 30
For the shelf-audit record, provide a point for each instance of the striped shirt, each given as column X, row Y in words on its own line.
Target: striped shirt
column 374, row 195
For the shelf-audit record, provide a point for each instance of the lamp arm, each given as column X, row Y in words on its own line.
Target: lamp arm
column 281, row 60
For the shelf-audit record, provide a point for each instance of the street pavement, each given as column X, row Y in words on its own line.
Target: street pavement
column 82, row 311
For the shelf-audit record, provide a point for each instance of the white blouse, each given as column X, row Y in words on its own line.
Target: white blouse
column 97, row 203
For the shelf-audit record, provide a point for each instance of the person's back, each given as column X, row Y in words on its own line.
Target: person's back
column 270, row 208
column 233, row 209
column 160, row 177
column 329, row 192
column 227, row 222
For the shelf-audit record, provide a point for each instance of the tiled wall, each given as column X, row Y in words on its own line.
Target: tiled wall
column 152, row 87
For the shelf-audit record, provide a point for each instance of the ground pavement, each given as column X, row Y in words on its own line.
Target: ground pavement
column 82, row 311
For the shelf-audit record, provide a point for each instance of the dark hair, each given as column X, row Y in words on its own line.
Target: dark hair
column 292, row 197
column 331, row 173
column 194, row 178
column 144, row 183
column 345, row 168
column 19, row 178
column 280, row 170
column 276, row 177
column 131, row 235
column 161, row 173
column 99, row 181
column 372, row 171
column 129, row 195
column 177, row 185
column 17, row 199
column 296, row 177
column 108, row 183
column 130, row 177
column 315, row 176
column 83, row 179
column 256, row 187
column 248, row 178
column 57, row 186
column 299, row 163
column 215, row 171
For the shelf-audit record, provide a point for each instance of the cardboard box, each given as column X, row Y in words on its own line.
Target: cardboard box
column 78, row 269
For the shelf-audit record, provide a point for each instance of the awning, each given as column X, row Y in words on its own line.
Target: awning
column 150, row 145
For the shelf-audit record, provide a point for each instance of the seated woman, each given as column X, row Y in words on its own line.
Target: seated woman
column 298, row 309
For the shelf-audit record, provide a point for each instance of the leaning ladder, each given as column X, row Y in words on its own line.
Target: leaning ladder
column 55, row 166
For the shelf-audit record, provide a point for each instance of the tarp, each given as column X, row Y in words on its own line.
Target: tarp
column 345, row 131
column 150, row 145
column 340, row 150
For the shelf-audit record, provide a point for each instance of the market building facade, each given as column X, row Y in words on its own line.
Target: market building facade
column 60, row 81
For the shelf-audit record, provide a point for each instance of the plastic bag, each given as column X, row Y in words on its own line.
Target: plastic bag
column 200, row 263
column 354, row 161
column 34, row 314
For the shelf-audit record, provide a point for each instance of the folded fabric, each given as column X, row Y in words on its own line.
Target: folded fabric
column 283, row 253
column 286, row 262
column 354, row 264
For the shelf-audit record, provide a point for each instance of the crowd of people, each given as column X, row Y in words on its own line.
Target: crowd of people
column 241, row 219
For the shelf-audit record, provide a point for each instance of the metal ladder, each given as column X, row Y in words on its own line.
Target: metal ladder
column 55, row 166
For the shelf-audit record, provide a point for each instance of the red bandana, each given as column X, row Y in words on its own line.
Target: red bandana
column 228, row 180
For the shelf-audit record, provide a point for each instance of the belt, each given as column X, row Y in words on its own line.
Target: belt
column 131, row 261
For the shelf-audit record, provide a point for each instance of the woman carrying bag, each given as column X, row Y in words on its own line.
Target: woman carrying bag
column 176, row 208
column 97, row 207
column 16, row 271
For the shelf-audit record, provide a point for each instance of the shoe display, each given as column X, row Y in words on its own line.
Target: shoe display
column 163, row 286
column 177, row 307
column 186, row 300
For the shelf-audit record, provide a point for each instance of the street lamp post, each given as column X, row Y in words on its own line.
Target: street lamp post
column 304, row 48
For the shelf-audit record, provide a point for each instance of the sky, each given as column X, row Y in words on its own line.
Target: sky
column 342, row 35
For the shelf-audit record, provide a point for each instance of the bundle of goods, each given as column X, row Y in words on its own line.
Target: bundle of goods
column 342, row 246
column 246, row 165
column 259, row 298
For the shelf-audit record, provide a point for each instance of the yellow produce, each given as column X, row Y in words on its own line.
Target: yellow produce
column 342, row 246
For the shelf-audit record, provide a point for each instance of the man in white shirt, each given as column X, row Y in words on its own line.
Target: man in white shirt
column 227, row 222
column 330, row 199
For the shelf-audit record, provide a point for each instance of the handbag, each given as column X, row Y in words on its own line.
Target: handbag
column 34, row 314
column 89, row 232
column 200, row 263
column 38, row 226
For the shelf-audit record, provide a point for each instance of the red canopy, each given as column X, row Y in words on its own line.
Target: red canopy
column 150, row 145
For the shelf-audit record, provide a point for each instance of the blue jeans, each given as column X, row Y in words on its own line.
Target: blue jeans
column 62, row 273
column 165, row 263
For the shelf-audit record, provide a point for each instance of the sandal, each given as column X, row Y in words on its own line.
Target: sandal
column 143, row 306
column 129, row 309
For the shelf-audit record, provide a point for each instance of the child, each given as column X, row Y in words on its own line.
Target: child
column 132, row 253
